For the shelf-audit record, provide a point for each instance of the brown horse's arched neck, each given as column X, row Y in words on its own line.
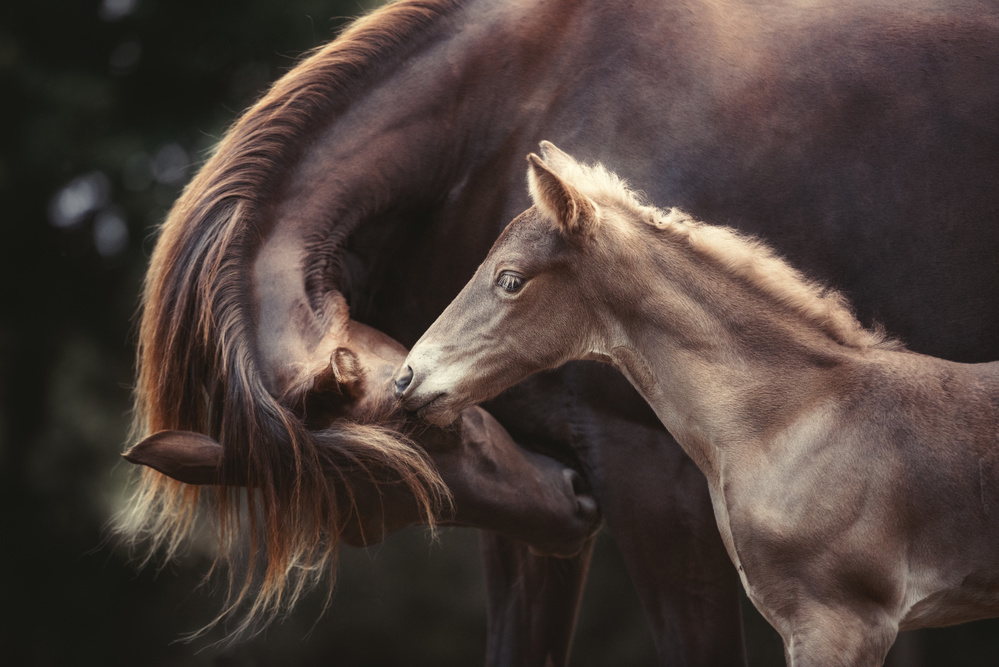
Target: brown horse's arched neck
column 415, row 138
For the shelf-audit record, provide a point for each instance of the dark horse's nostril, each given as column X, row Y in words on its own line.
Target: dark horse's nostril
column 403, row 381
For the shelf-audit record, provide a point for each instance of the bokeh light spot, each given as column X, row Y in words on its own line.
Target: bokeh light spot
column 125, row 57
column 110, row 234
column 78, row 198
column 170, row 164
column 113, row 10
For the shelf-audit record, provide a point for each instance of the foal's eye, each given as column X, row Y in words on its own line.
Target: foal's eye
column 510, row 282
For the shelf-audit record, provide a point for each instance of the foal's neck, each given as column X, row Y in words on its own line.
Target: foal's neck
column 722, row 364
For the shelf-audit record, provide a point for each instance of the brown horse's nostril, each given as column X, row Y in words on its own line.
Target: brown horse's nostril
column 403, row 381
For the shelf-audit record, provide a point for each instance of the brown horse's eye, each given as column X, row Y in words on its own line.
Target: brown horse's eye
column 510, row 282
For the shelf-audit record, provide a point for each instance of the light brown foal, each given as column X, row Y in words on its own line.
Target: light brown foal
column 854, row 482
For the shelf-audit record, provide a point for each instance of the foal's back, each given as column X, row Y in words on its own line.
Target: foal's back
column 935, row 424
column 924, row 407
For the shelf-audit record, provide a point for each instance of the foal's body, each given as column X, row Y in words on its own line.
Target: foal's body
column 854, row 482
column 852, row 488
column 855, row 490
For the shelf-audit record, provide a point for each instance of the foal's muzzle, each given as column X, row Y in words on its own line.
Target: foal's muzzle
column 403, row 381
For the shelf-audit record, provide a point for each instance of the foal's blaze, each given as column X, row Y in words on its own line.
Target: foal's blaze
column 199, row 370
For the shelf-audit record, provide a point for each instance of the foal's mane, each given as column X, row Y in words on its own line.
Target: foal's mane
column 197, row 359
column 744, row 256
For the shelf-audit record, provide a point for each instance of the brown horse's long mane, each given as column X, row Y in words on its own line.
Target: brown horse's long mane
column 739, row 254
column 197, row 368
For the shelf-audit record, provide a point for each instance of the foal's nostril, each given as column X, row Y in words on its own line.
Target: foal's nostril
column 576, row 481
column 403, row 381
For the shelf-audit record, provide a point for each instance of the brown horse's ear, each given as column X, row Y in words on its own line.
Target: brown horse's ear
column 335, row 390
column 344, row 375
column 574, row 211
column 185, row 456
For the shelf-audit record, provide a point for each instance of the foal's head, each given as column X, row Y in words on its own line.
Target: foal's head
column 530, row 305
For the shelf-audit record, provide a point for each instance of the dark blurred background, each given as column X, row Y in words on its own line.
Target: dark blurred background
column 107, row 108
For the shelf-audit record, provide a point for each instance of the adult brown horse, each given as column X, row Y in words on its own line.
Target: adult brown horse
column 860, row 138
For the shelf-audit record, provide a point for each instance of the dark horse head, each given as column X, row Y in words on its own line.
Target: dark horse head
column 254, row 379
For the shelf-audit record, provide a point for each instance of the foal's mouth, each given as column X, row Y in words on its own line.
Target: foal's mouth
column 440, row 410
column 422, row 408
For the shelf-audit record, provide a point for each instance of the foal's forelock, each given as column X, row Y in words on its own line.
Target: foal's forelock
column 197, row 360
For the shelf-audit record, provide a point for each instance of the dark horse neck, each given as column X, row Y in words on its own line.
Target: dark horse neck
column 408, row 149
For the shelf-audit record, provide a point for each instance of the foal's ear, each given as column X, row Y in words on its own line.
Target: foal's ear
column 554, row 156
column 185, row 456
column 574, row 211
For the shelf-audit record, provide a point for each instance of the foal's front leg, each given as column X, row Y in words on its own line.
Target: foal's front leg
column 820, row 636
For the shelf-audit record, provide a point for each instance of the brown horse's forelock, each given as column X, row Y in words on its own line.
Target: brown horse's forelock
column 196, row 353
